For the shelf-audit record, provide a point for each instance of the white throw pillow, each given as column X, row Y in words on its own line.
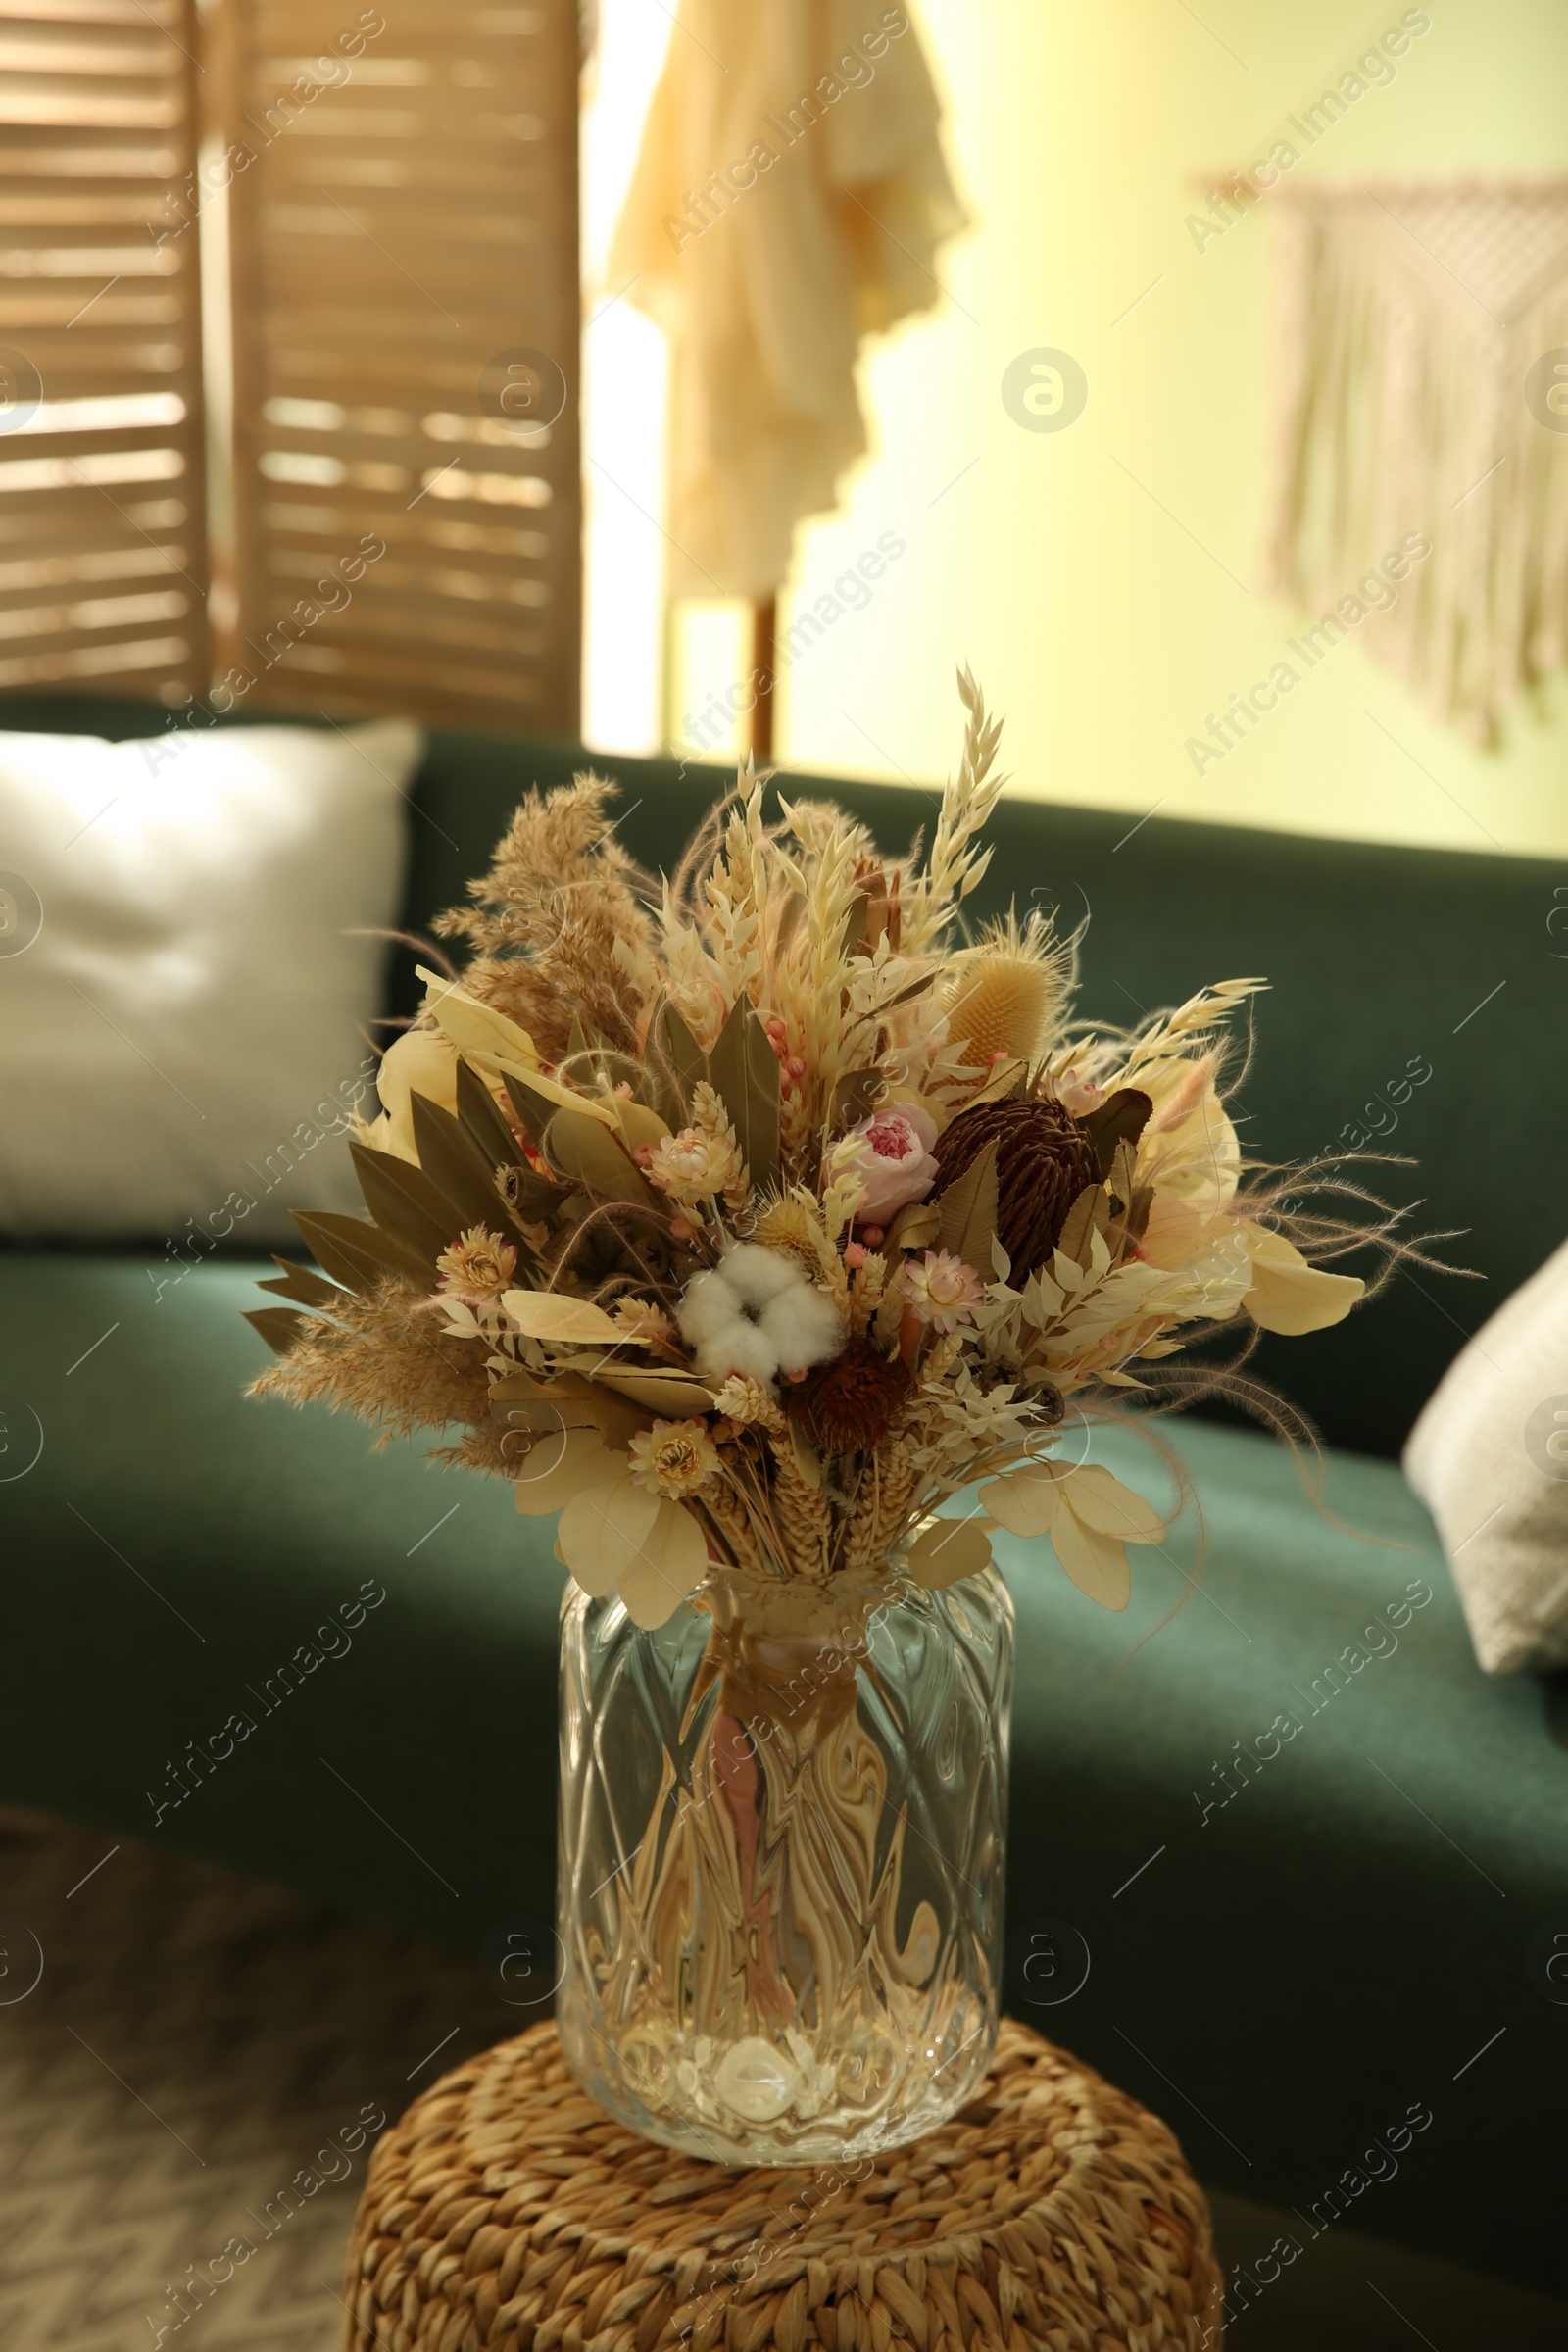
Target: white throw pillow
column 1489, row 1458
column 183, row 1013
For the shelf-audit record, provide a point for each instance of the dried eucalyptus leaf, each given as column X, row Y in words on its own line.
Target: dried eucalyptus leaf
column 580, row 1404
column 672, row 1394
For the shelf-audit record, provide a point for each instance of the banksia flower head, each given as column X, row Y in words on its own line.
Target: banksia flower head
column 1009, row 991
column 1044, row 1159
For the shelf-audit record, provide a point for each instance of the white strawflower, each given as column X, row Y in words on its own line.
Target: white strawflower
column 758, row 1313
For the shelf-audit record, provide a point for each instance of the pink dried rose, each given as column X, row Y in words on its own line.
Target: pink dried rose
column 943, row 1292
column 895, row 1159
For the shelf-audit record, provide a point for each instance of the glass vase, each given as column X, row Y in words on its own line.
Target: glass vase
column 781, row 1854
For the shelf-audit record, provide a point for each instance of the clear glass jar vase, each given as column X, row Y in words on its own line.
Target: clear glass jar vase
column 782, row 1839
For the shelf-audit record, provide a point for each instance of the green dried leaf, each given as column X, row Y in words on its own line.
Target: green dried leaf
column 586, row 1153
column 686, row 1059
column 406, row 1206
column 358, row 1255
column 743, row 1069
column 967, row 1211
column 856, row 1096
column 534, row 1110
column 279, row 1326
column 481, row 1114
column 449, row 1155
column 302, row 1285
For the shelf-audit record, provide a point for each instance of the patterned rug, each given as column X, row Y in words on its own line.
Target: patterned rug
column 190, row 2088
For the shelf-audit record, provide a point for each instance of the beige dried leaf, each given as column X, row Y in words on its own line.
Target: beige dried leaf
column 946, row 1550
column 557, row 1315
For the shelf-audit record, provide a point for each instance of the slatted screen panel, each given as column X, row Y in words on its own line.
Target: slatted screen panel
column 102, row 525
column 408, row 220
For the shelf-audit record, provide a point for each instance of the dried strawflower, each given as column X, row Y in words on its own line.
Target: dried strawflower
column 674, row 1457
column 478, row 1266
column 942, row 1292
column 1044, row 1159
column 848, row 1405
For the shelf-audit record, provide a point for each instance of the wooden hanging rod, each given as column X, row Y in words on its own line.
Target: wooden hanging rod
column 1230, row 181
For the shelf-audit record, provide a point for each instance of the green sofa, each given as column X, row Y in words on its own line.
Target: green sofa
column 1294, row 1962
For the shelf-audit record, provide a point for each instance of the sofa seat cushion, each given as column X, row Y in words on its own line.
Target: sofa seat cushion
column 1287, row 1955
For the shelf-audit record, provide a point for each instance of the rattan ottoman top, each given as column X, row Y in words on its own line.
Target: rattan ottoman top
column 506, row 2213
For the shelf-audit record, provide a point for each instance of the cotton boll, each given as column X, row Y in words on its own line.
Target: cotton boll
column 803, row 1326
column 739, row 1347
column 708, row 1307
column 756, row 1313
column 759, row 1275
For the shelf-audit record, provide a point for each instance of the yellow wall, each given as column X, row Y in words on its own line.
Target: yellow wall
column 1104, row 580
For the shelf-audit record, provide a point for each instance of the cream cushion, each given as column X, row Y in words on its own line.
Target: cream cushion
column 185, row 1013
column 1489, row 1458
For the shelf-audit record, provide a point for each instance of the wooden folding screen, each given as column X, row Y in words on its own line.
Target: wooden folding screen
column 403, row 234
column 103, row 563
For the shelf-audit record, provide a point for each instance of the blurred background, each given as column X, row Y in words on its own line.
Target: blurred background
column 1105, row 580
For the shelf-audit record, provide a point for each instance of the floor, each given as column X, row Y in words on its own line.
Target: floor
column 196, row 2045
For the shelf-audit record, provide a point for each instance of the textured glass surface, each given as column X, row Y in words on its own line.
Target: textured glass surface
column 782, row 1824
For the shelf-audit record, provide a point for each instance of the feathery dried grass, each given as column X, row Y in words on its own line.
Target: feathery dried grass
column 558, row 924
column 381, row 1356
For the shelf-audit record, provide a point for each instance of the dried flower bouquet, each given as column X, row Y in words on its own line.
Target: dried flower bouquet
column 747, row 1219
column 744, row 1220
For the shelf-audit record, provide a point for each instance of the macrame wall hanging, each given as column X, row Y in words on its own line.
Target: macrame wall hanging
column 1420, row 396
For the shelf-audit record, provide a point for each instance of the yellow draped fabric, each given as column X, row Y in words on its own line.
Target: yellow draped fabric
column 788, row 199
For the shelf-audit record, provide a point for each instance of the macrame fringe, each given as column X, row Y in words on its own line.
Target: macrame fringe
column 1409, row 319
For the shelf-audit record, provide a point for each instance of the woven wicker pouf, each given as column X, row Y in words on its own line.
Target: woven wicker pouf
column 506, row 2213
